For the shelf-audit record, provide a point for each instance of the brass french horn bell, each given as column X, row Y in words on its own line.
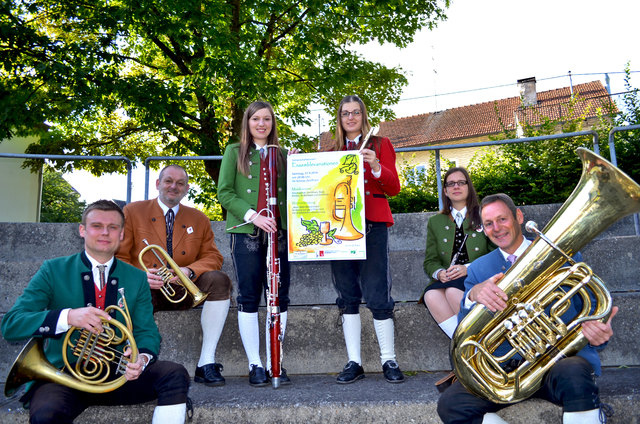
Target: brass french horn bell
column 184, row 285
column 94, row 356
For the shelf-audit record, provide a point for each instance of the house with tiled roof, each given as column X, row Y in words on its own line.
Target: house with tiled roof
column 476, row 123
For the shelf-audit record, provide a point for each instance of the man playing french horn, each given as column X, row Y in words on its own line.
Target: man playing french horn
column 186, row 236
column 77, row 293
column 570, row 382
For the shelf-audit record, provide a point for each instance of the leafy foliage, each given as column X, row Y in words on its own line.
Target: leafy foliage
column 537, row 172
column 60, row 202
column 627, row 143
column 419, row 191
column 172, row 77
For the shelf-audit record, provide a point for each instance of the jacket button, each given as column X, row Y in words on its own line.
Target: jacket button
column 86, row 278
column 248, row 190
column 476, row 249
column 367, row 193
column 446, row 227
column 41, row 329
column 444, row 240
column 473, row 235
column 153, row 220
column 366, row 181
column 250, row 163
column 250, row 176
column 184, row 253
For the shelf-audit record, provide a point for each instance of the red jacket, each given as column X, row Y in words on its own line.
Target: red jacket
column 376, row 191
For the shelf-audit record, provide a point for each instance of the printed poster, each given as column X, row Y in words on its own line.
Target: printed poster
column 325, row 206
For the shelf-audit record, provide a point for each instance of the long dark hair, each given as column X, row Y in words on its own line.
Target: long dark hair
column 246, row 140
column 473, row 207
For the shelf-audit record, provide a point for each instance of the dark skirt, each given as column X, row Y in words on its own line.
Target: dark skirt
column 458, row 283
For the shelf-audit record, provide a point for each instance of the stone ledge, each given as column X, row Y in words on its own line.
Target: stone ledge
column 318, row 399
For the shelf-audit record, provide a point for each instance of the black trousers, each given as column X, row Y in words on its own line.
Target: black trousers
column 570, row 383
column 54, row 403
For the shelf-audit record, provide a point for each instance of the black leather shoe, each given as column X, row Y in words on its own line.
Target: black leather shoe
column 284, row 378
column 351, row 372
column 257, row 376
column 209, row 375
column 392, row 372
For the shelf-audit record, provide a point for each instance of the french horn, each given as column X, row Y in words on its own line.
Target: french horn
column 540, row 290
column 91, row 360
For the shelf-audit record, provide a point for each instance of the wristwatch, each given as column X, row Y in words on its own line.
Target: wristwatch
column 191, row 274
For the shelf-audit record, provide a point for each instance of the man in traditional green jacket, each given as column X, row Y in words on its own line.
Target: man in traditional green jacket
column 74, row 291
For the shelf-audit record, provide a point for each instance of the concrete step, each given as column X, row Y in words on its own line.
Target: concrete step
column 312, row 333
column 318, row 399
column 615, row 259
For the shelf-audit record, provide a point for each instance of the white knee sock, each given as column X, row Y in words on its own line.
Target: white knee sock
column 352, row 326
column 212, row 319
column 493, row 418
column 449, row 325
column 250, row 335
column 385, row 333
column 169, row 414
column 582, row 417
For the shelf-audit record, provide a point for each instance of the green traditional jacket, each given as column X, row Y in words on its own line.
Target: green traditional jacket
column 67, row 282
column 441, row 231
column 238, row 193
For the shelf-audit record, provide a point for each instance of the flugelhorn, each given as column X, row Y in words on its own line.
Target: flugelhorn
column 94, row 355
column 540, row 290
column 172, row 290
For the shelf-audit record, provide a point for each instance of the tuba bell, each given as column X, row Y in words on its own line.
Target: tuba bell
column 94, row 355
column 540, row 290
column 183, row 285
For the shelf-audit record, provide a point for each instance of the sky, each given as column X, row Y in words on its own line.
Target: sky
column 479, row 53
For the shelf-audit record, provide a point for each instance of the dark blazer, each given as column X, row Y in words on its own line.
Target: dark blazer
column 494, row 263
column 193, row 240
column 441, row 230
column 67, row 282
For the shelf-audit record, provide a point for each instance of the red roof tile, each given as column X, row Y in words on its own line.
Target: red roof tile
column 481, row 119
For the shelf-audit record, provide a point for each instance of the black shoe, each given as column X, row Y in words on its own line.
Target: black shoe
column 284, row 378
column 392, row 372
column 209, row 375
column 351, row 372
column 257, row 376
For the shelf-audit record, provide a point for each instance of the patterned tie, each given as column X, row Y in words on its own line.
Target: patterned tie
column 512, row 259
column 459, row 219
column 263, row 153
column 101, row 269
column 351, row 144
column 169, row 219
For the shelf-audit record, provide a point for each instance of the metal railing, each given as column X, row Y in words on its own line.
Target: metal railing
column 436, row 149
column 126, row 160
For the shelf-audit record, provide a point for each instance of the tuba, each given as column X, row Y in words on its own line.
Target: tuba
column 184, row 284
column 96, row 356
column 540, row 290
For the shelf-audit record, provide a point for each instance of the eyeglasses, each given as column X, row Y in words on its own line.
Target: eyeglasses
column 346, row 114
column 456, row 183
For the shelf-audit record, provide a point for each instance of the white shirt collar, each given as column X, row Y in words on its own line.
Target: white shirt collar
column 463, row 211
column 95, row 270
column 355, row 140
column 166, row 208
column 520, row 250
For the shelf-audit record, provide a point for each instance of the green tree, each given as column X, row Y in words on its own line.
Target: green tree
column 60, row 202
column 627, row 143
column 172, row 77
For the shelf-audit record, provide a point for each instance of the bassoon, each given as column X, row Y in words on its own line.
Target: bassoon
column 274, row 336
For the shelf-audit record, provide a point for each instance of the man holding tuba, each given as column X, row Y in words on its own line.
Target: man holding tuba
column 185, row 233
column 570, row 382
column 73, row 292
